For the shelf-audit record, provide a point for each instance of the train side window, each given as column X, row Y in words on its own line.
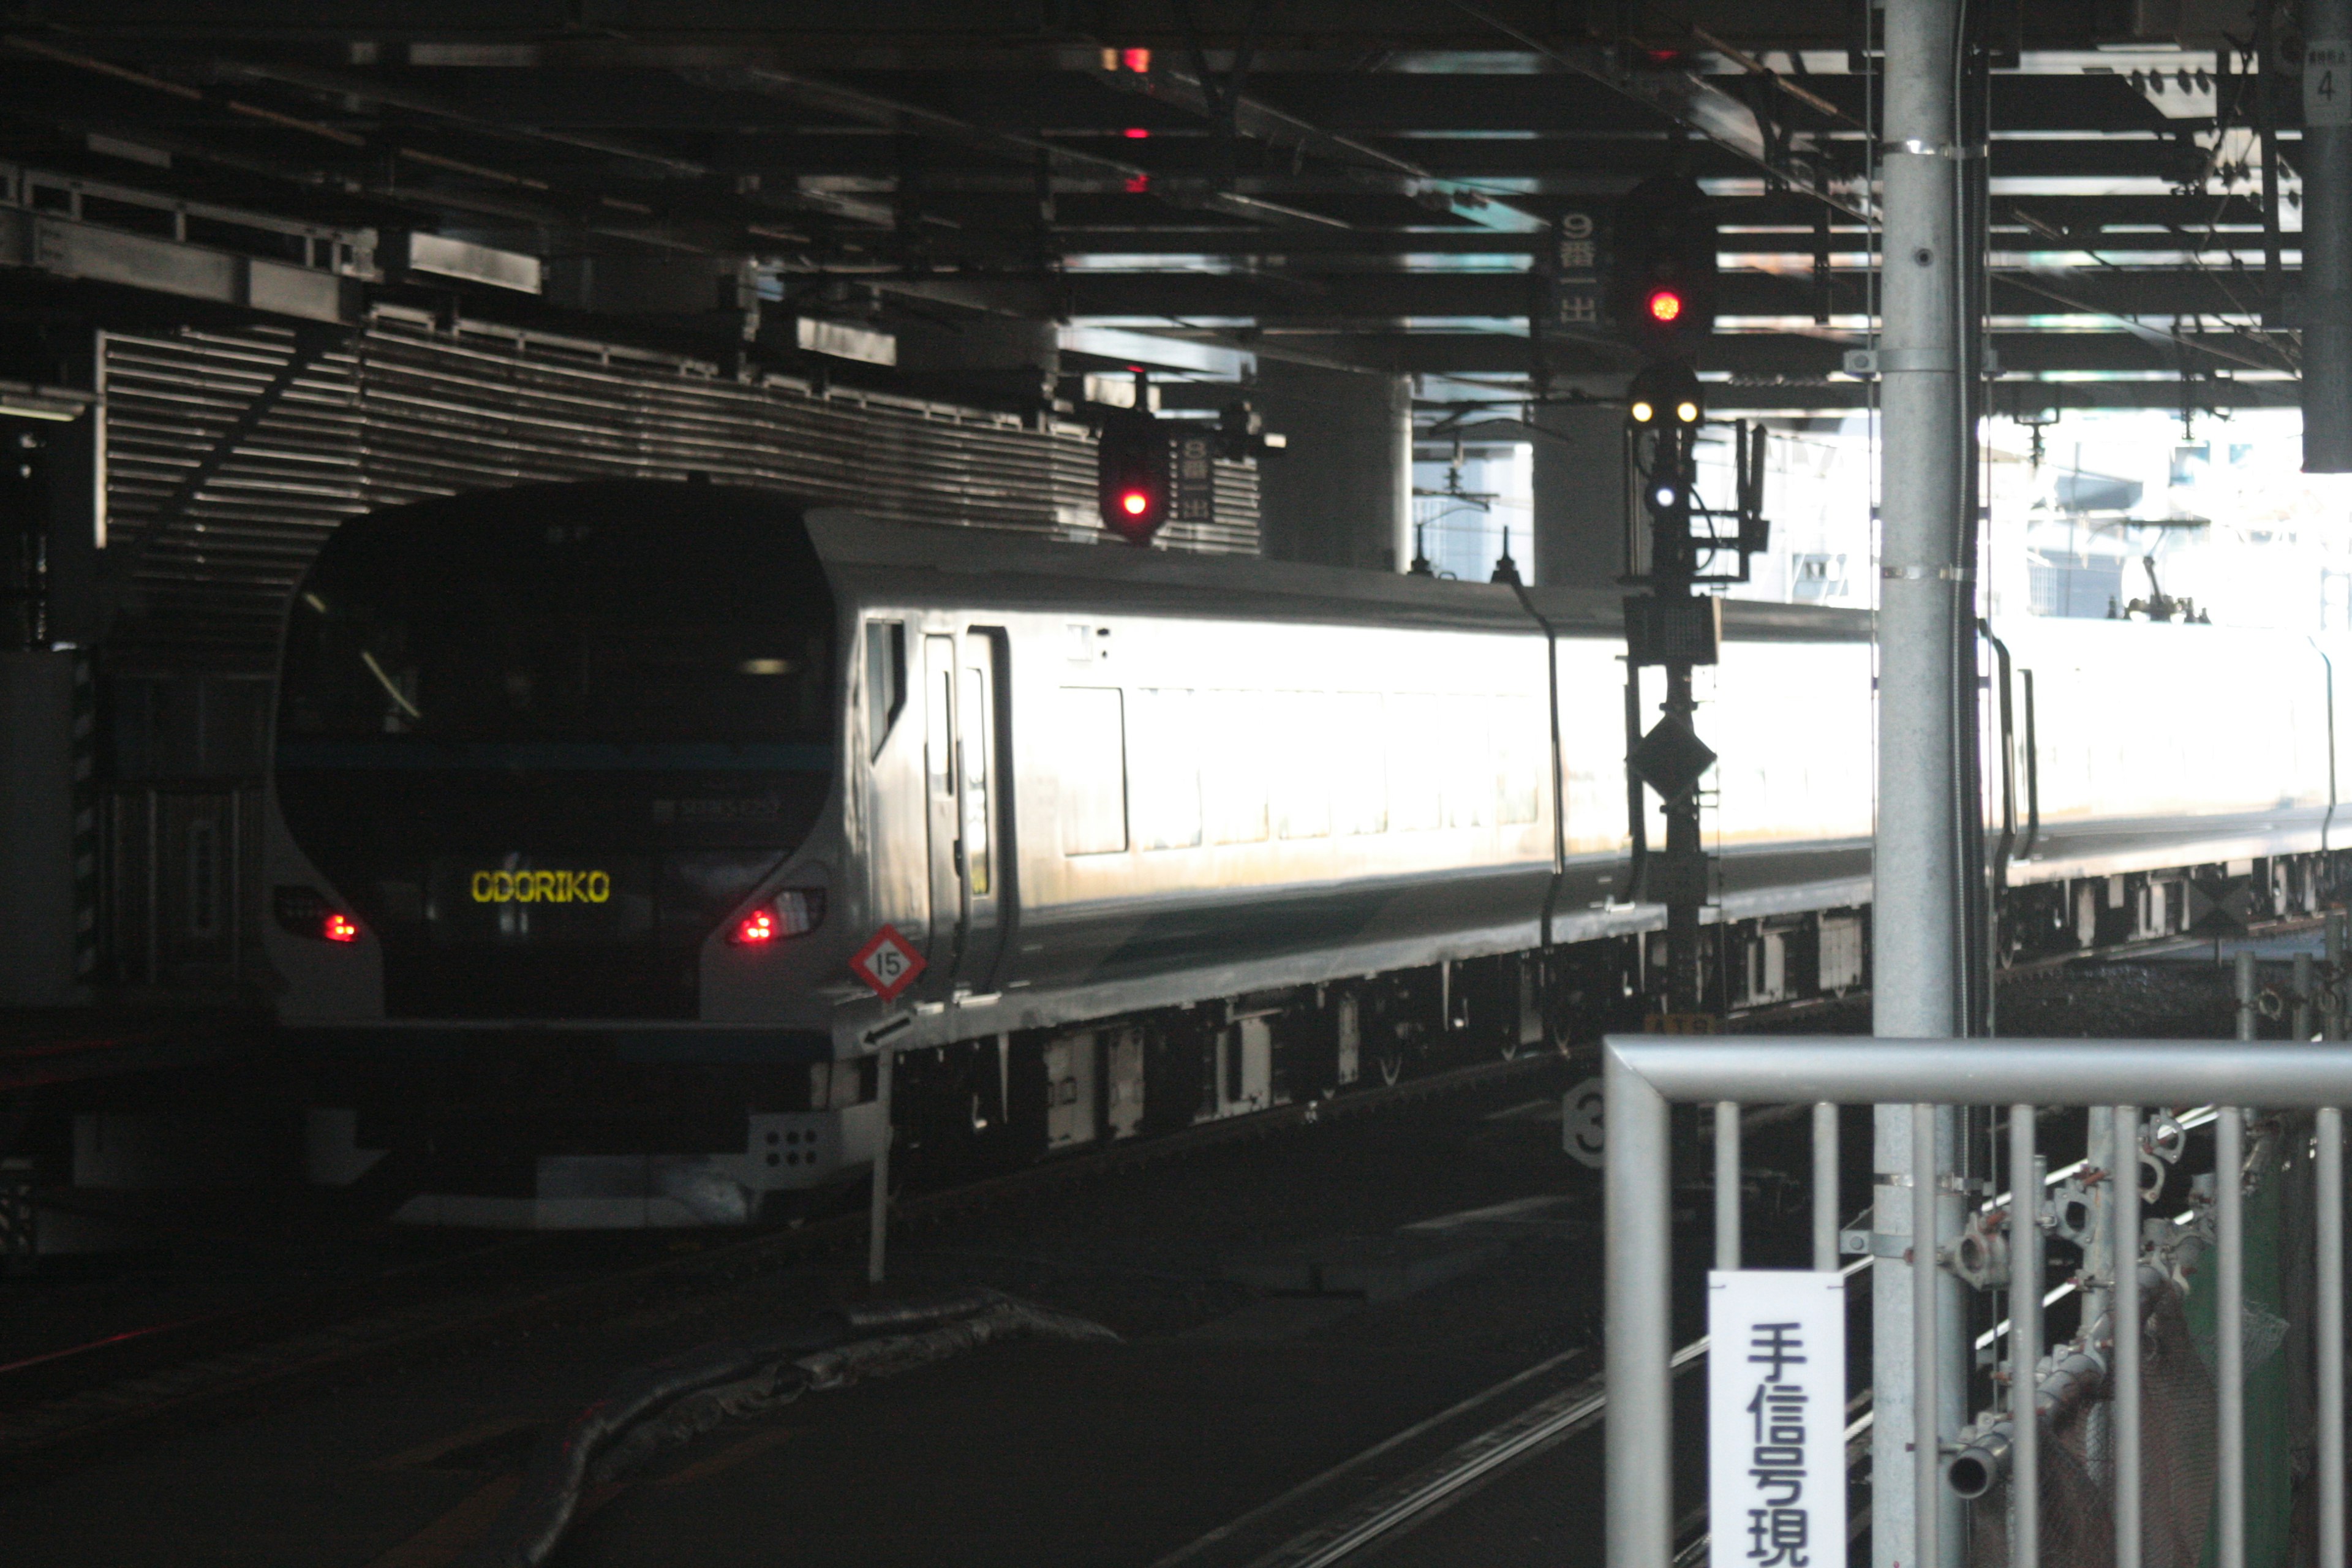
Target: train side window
column 1163, row 773
column 1093, row 770
column 1359, row 792
column 1307, row 736
column 886, row 681
column 1469, row 764
column 1234, row 732
column 1522, row 743
column 1417, row 762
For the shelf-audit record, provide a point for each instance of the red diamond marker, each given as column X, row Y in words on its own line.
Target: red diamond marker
column 888, row 962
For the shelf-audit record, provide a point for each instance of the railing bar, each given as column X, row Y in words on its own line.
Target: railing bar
column 2229, row 1334
column 1637, row 1177
column 2025, row 1168
column 1727, row 1185
column 1826, row 1187
column 1926, row 1459
column 2278, row 1074
column 2328, row 1173
column 2124, row 1182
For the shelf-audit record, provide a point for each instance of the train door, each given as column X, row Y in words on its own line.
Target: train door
column 963, row 768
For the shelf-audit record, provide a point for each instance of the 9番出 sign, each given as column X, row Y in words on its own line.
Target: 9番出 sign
column 541, row 886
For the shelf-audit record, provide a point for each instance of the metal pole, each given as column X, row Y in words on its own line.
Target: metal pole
column 1826, row 1187
column 2331, row 1022
column 2025, row 1184
column 1916, row 932
column 2125, row 1181
column 1637, row 1337
column 2246, row 993
column 1927, row 1459
column 2230, row 1332
column 2302, row 987
column 1727, row 1185
column 2328, row 1173
column 2326, row 161
column 878, row 1208
column 155, row 886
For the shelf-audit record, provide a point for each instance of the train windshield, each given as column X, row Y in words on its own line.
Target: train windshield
column 523, row 629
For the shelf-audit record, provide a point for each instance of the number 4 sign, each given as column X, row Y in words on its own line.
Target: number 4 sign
column 2327, row 88
column 887, row 962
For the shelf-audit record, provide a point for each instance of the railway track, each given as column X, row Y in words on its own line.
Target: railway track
column 1302, row 1529
column 70, row 1408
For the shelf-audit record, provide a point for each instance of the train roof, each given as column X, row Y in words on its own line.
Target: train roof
column 1043, row 572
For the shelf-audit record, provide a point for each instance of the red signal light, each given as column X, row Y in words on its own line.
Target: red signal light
column 1664, row 306
column 756, row 927
column 339, row 927
column 1135, row 503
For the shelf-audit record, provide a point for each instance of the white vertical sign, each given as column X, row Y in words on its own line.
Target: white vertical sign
column 1775, row 1419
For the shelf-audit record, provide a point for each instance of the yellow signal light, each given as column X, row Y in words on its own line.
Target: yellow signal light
column 1687, row 412
column 1642, row 411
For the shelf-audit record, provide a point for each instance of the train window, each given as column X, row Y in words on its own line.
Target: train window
column 1304, row 734
column 1093, row 771
column 1469, row 763
column 972, row 751
column 621, row 629
column 1163, row 771
column 1234, row 735
column 1522, row 744
column 886, row 680
column 1417, row 741
column 938, row 732
column 1359, row 783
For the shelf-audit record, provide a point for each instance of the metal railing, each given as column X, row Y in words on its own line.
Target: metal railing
column 1643, row 1075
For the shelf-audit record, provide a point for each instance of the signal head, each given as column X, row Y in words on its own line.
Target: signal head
column 1663, row 262
column 1663, row 388
column 1135, row 474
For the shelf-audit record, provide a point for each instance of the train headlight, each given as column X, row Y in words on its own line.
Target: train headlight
column 795, row 911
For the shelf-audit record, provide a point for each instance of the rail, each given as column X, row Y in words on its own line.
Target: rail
column 1643, row 1075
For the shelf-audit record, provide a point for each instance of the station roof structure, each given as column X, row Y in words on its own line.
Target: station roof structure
column 1185, row 183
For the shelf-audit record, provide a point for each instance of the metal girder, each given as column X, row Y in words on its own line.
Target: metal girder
column 894, row 115
column 539, row 31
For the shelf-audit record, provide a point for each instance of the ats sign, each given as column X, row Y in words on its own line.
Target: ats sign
column 1775, row 1419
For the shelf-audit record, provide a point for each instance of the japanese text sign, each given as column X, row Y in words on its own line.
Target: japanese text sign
column 1775, row 1419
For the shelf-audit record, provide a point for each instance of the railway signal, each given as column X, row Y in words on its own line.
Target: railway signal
column 1135, row 473
column 1663, row 296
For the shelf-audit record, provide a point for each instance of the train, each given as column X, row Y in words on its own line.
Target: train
column 614, row 831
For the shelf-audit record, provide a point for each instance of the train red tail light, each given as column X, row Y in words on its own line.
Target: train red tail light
column 795, row 911
column 308, row 913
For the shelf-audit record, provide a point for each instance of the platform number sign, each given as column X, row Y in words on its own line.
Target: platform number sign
column 2327, row 84
column 1580, row 1136
column 887, row 962
column 1572, row 272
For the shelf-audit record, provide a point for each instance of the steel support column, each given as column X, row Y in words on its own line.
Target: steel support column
column 1919, row 897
